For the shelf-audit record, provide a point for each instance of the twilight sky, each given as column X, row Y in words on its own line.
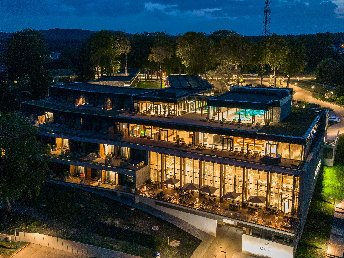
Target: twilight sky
column 173, row 16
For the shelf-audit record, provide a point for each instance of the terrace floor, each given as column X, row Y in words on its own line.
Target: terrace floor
column 254, row 213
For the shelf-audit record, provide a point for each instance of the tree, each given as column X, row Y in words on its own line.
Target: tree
column 23, row 165
column 123, row 47
column 160, row 54
column 276, row 52
column 26, row 58
column 233, row 52
column 259, row 59
column 327, row 71
column 194, row 49
column 295, row 61
column 104, row 52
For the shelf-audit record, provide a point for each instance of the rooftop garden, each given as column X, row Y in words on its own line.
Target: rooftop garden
column 296, row 124
column 149, row 85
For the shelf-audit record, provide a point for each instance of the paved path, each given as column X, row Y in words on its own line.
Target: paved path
column 336, row 245
column 37, row 251
column 227, row 244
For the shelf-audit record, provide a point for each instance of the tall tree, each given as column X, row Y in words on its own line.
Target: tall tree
column 123, row 46
column 233, row 52
column 258, row 59
column 22, row 162
column 26, row 58
column 295, row 60
column 160, row 53
column 194, row 49
column 276, row 52
column 104, row 52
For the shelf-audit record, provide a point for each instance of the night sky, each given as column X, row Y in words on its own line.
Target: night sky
column 173, row 16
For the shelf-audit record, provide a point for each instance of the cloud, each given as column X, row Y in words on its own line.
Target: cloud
column 157, row 6
column 340, row 8
column 174, row 16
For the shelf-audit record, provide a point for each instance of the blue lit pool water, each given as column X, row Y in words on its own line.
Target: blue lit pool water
column 250, row 112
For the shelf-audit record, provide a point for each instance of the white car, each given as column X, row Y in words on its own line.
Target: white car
column 334, row 119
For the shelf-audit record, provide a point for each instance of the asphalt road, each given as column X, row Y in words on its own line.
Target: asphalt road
column 301, row 94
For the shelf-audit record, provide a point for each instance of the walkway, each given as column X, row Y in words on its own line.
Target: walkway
column 336, row 245
column 37, row 251
column 227, row 244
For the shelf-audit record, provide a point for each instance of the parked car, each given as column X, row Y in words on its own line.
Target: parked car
column 334, row 119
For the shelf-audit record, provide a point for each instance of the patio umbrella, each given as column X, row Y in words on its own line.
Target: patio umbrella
column 257, row 199
column 171, row 181
column 190, row 187
column 231, row 195
column 208, row 189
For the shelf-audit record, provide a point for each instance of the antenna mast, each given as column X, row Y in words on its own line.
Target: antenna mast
column 267, row 12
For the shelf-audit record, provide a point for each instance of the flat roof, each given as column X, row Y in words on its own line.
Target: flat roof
column 181, row 86
column 119, row 77
column 250, row 97
column 96, row 88
column 188, row 82
column 167, row 95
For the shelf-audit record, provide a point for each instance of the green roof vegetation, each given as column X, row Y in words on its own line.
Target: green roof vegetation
column 149, row 84
column 296, row 124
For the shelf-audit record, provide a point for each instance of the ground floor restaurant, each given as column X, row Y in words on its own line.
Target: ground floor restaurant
column 243, row 186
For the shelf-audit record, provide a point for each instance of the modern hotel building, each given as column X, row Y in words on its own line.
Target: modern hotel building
column 246, row 157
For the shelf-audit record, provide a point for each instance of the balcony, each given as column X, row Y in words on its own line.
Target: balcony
column 92, row 160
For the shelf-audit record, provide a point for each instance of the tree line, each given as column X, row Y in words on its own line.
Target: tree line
column 220, row 54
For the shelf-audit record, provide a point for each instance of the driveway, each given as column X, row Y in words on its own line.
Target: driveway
column 37, row 251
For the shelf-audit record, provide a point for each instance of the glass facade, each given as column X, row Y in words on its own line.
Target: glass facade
column 234, row 144
column 275, row 190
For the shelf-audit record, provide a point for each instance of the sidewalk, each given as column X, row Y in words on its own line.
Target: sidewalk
column 336, row 244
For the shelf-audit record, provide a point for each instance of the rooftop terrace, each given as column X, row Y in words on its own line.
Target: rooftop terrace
column 248, row 97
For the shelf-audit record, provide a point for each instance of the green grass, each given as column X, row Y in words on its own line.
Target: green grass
column 316, row 234
column 84, row 217
column 149, row 84
column 8, row 248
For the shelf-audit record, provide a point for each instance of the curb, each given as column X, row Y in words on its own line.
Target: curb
column 18, row 250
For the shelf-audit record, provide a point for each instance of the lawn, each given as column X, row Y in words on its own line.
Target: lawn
column 149, row 84
column 8, row 248
column 80, row 216
column 316, row 234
